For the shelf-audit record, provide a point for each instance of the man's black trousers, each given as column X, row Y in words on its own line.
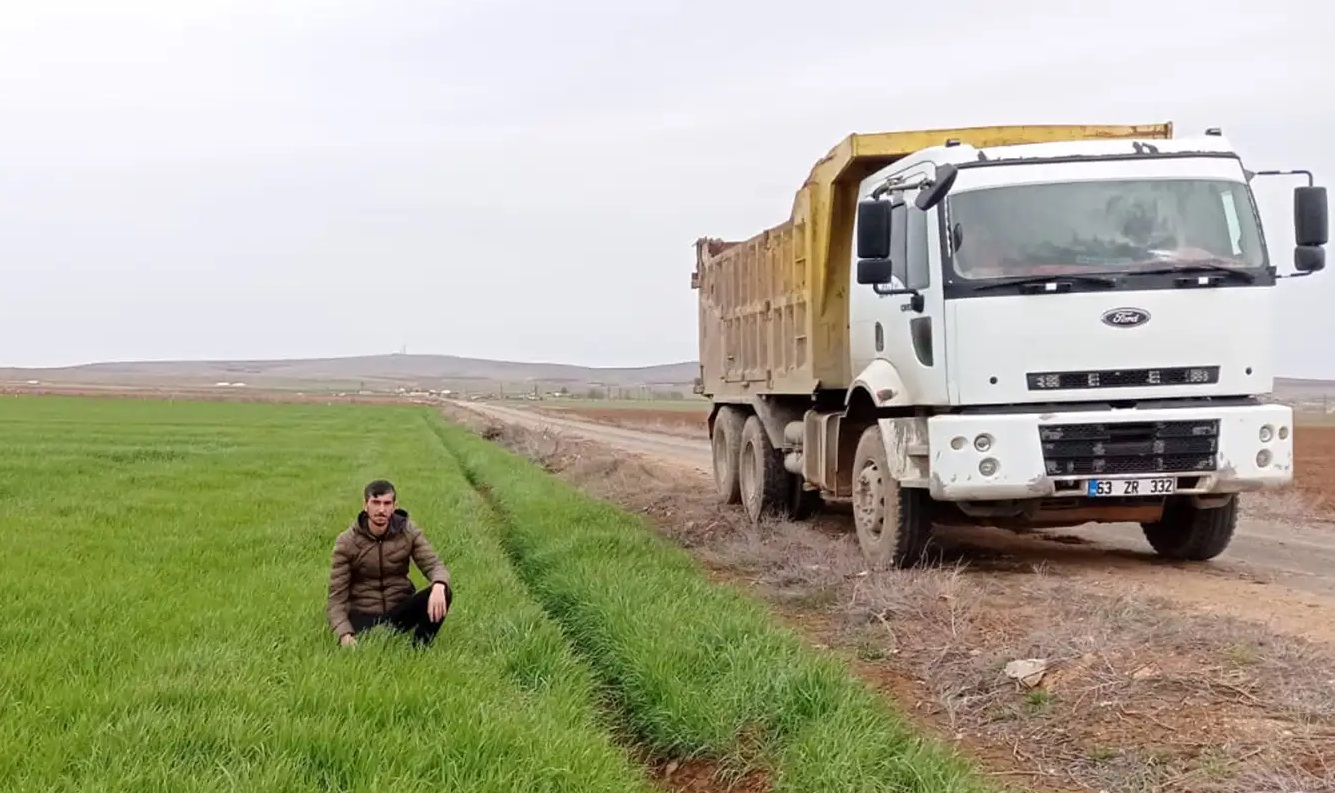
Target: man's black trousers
column 408, row 616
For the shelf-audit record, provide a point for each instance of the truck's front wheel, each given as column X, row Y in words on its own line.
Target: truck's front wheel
column 893, row 523
column 727, row 447
column 1192, row 533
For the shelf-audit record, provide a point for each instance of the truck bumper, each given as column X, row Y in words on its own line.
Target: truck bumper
column 1000, row 456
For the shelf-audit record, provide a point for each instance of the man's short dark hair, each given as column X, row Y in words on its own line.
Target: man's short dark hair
column 379, row 487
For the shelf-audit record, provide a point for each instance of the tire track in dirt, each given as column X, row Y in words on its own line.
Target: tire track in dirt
column 1277, row 572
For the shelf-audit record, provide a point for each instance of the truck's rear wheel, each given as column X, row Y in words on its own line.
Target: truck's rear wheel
column 894, row 523
column 727, row 446
column 761, row 476
column 1192, row 533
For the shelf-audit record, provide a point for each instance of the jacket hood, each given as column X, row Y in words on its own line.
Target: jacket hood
column 397, row 523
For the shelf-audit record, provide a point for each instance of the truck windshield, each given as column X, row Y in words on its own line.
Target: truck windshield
column 1106, row 226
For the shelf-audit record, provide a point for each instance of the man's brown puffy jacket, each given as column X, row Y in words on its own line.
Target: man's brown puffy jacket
column 369, row 574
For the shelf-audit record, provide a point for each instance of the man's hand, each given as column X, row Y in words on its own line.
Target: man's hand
column 347, row 640
column 435, row 605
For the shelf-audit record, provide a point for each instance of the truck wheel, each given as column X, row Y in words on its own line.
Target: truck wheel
column 761, row 476
column 893, row 523
column 1190, row 533
column 727, row 446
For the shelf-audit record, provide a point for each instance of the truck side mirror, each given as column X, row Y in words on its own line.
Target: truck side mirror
column 945, row 179
column 873, row 231
column 876, row 271
column 1309, row 258
column 1311, row 224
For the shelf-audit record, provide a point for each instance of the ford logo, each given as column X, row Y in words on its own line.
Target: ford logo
column 1126, row 317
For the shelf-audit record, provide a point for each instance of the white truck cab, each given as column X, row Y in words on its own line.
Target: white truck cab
column 1056, row 333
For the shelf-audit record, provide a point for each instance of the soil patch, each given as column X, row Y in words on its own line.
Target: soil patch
column 1314, row 466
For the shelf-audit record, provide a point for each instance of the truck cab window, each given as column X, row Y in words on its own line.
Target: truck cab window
column 919, row 273
column 1107, row 226
column 1231, row 218
column 899, row 242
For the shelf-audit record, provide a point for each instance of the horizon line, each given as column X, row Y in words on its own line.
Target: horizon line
column 351, row 357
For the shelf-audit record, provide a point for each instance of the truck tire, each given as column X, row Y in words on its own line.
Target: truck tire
column 1190, row 533
column 727, row 447
column 894, row 523
column 762, row 479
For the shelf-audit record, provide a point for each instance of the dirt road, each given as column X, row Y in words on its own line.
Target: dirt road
column 688, row 452
column 1278, row 571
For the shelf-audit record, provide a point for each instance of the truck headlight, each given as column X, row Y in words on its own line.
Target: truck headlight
column 988, row 466
column 1263, row 458
column 1267, row 433
column 983, row 442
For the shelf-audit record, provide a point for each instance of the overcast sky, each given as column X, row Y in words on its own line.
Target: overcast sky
column 524, row 180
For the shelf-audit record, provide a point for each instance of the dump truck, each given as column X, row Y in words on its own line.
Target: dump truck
column 1023, row 327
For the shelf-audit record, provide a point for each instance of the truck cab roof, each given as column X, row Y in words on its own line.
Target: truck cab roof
column 964, row 154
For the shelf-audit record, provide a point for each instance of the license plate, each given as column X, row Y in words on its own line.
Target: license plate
column 1131, row 487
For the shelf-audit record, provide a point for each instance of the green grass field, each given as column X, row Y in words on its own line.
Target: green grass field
column 164, row 573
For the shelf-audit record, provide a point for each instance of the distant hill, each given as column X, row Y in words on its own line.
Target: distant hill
column 1303, row 386
column 391, row 372
column 374, row 372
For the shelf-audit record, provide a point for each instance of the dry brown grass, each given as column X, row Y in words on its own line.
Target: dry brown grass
column 1136, row 696
column 1134, row 693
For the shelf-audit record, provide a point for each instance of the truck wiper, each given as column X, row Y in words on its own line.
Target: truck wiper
column 1197, row 267
column 1062, row 282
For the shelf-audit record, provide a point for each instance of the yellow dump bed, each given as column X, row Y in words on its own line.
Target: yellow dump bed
column 774, row 308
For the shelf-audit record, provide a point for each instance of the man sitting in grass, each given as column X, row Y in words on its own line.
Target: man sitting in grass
column 368, row 582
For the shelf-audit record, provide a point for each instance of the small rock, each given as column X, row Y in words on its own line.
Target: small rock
column 1028, row 671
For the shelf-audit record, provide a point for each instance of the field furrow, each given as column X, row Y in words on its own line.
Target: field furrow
column 698, row 670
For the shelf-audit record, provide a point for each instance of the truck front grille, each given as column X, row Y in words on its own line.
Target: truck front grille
column 1123, row 378
column 1135, row 447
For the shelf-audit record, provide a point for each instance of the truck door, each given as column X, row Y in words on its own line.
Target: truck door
column 905, row 329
